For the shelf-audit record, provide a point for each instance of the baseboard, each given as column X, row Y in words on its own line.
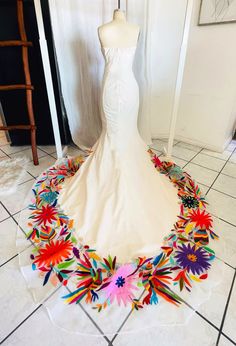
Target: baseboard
column 208, row 146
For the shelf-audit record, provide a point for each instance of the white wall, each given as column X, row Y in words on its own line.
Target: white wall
column 166, row 40
column 207, row 110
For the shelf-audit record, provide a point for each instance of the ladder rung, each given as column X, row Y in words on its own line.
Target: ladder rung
column 17, row 127
column 15, row 87
column 15, row 43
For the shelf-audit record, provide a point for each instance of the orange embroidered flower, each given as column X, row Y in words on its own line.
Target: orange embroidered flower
column 53, row 253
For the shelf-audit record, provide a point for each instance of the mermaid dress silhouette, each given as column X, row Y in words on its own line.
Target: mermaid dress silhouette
column 119, row 203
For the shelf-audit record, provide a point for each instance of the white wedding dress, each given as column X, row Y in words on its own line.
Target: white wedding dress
column 120, row 204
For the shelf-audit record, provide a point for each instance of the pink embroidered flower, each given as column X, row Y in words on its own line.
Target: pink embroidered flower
column 121, row 285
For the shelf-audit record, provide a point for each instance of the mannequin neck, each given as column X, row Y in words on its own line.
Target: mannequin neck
column 119, row 16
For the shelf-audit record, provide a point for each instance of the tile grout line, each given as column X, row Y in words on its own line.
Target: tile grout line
column 226, row 308
column 31, row 314
column 32, row 244
column 126, row 318
column 227, row 337
column 5, row 218
column 18, row 326
column 190, row 161
column 24, row 168
column 91, row 319
column 220, row 172
column 110, row 342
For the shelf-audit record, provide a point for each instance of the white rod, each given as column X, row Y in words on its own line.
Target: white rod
column 48, row 78
column 180, row 74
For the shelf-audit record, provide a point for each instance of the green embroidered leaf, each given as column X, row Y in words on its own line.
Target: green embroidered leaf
column 209, row 250
column 65, row 264
column 73, row 239
column 67, row 237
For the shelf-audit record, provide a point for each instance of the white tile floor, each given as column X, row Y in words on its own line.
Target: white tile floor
column 24, row 323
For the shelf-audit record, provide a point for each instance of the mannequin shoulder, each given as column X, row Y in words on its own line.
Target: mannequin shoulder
column 105, row 29
column 116, row 34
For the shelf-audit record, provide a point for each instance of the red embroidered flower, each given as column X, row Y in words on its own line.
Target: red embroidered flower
column 46, row 214
column 53, row 253
column 156, row 161
column 202, row 219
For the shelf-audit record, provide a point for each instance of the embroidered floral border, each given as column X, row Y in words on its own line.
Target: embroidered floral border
column 183, row 259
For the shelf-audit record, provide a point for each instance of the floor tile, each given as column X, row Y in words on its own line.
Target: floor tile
column 16, row 302
column 157, row 152
column 225, row 247
column 3, row 141
column 232, row 145
column 17, row 201
column 224, row 341
column 8, row 149
column 180, row 162
column 48, row 148
column 203, row 188
column 233, row 158
column 215, row 288
column 158, row 145
column 196, row 332
column 3, row 213
column 38, row 330
column 230, row 319
column 225, row 184
column 183, row 153
column 200, row 174
column 71, row 151
column 44, row 163
column 27, row 154
column 224, row 155
column 189, row 146
column 8, row 230
column 2, row 154
column 230, row 169
column 70, row 317
column 222, row 206
column 209, row 162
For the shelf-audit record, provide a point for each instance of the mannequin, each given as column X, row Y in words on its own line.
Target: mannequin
column 118, row 32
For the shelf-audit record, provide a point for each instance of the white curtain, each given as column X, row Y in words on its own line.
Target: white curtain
column 81, row 63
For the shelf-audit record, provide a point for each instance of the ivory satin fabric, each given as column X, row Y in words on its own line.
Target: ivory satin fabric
column 120, row 204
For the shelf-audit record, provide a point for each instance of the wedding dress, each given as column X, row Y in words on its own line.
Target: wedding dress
column 120, row 204
column 117, row 231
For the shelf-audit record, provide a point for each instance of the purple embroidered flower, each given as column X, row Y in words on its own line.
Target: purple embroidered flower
column 193, row 259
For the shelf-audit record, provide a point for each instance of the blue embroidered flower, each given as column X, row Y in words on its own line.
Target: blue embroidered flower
column 176, row 172
column 49, row 197
column 120, row 281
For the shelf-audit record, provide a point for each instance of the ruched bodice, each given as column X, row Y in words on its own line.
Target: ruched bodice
column 119, row 105
column 119, row 202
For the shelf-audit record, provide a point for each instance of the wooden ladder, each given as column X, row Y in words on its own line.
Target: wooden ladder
column 28, row 87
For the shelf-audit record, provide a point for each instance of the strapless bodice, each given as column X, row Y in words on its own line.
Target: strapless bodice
column 120, row 95
column 118, row 59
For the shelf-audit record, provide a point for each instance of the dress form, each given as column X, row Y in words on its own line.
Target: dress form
column 118, row 32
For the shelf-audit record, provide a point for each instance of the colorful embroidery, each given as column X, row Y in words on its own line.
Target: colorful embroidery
column 59, row 257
